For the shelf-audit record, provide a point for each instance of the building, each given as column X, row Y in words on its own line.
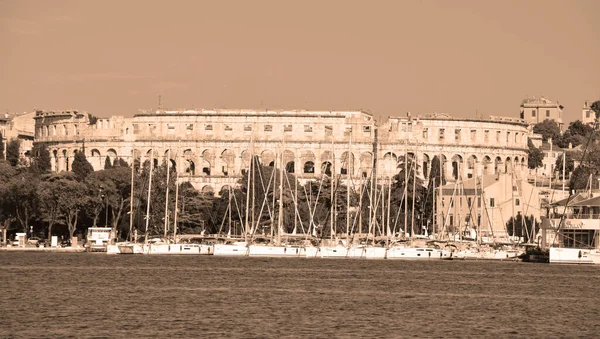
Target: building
column 535, row 110
column 211, row 148
column 485, row 203
column 20, row 127
column 587, row 115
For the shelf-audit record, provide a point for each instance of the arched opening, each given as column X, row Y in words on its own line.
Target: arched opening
column 190, row 168
column 426, row 166
column 309, row 167
column 326, row 168
column 228, row 158
column 347, row 163
column 390, row 162
column 289, row 167
column 267, row 157
column 456, row 162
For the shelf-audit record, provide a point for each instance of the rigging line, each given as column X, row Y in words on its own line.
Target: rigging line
column 404, row 196
column 363, row 191
column 295, row 203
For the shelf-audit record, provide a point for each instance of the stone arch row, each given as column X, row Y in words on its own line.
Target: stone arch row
column 227, row 162
column 455, row 165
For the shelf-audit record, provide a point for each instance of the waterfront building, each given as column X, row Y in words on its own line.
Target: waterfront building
column 18, row 126
column 535, row 110
column 587, row 115
column 485, row 203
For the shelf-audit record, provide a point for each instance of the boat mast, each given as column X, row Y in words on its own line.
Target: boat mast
column 168, row 162
column 248, row 193
column 280, row 216
column 412, row 217
column 406, row 186
column 176, row 211
column 131, row 196
column 149, row 192
column 433, row 209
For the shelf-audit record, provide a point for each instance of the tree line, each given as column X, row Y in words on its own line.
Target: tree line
column 33, row 198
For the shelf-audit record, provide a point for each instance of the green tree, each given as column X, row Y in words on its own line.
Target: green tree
column 534, row 156
column 73, row 199
column 414, row 193
column 81, row 167
column 49, row 194
column 576, row 134
column 40, row 158
column 548, row 129
column 569, row 164
column 107, row 163
column 13, row 154
column 21, row 197
column 522, row 226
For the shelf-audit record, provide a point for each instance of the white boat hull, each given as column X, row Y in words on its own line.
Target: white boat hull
column 333, row 251
column 367, row 252
column 275, row 251
column 418, row 253
column 571, row 256
column 237, row 250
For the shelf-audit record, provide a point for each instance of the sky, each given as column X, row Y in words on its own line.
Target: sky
column 466, row 58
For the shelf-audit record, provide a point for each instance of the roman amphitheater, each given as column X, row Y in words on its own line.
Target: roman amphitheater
column 212, row 148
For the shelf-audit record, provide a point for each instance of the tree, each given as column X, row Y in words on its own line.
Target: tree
column 434, row 182
column 522, row 226
column 576, row 134
column 548, row 129
column 81, row 167
column 1, row 146
column 49, row 193
column 580, row 179
column 13, row 152
column 415, row 195
column 107, row 163
column 73, row 198
column 40, row 158
column 534, row 156
column 569, row 164
column 21, row 197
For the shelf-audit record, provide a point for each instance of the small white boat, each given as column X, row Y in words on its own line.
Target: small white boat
column 333, row 251
column 486, row 254
column 418, row 253
column 367, row 252
column 275, row 251
column 235, row 249
column 572, row 256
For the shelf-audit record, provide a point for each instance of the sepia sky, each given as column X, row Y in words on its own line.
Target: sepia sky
column 387, row 57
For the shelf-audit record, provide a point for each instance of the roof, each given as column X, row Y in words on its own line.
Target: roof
column 595, row 201
column 579, row 197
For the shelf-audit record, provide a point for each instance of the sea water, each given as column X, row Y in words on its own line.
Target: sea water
column 94, row 295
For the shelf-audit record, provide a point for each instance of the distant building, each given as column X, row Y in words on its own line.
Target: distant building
column 587, row 115
column 485, row 203
column 535, row 110
column 18, row 126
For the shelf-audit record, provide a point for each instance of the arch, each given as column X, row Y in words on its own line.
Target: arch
column 508, row 165
column 366, row 163
column 309, row 167
column 288, row 157
column 190, row 167
column 390, row 162
column 267, row 157
column 208, row 159
column 486, row 162
column 326, row 168
column 471, row 162
column 457, row 161
column 245, row 156
column 224, row 190
column 327, row 156
column 290, row 167
column 307, row 160
column 425, row 163
column 96, row 159
column 208, row 189
column 347, row 163
column 112, row 154
column 228, row 161
column 497, row 163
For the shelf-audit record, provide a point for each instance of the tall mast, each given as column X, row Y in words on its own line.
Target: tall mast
column 406, row 185
column 248, row 194
column 149, row 192
column 433, row 209
column 412, row 217
column 280, row 215
column 131, row 196
column 332, row 171
column 176, row 211
column 168, row 162
column 349, row 168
